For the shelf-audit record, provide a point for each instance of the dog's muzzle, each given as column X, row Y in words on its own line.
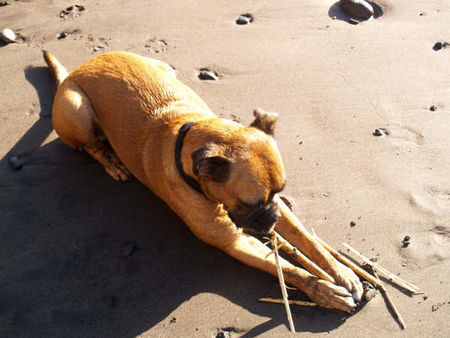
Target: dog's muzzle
column 261, row 220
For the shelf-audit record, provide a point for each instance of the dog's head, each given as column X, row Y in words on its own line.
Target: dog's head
column 244, row 171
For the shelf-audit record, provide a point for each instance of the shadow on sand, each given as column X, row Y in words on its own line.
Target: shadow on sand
column 82, row 255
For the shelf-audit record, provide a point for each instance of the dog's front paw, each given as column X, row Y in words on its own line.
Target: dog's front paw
column 345, row 277
column 331, row 296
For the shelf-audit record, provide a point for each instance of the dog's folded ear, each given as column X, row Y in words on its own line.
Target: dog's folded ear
column 264, row 121
column 208, row 163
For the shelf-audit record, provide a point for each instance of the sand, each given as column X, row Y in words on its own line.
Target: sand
column 85, row 256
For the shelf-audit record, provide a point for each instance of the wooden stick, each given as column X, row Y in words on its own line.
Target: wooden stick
column 391, row 304
column 389, row 275
column 282, row 286
column 292, row 302
column 302, row 259
column 360, row 272
column 273, row 250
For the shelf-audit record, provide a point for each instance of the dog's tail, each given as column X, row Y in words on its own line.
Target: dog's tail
column 57, row 70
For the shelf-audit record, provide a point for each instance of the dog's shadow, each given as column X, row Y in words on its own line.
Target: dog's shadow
column 84, row 255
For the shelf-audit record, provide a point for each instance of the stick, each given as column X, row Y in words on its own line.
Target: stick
column 302, row 259
column 292, row 302
column 389, row 275
column 273, row 250
column 282, row 286
column 360, row 272
column 391, row 304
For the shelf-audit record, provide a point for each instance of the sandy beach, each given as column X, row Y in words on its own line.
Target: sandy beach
column 364, row 121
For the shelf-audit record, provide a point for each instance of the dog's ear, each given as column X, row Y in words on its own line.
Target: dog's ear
column 264, row 121
column 208, row 163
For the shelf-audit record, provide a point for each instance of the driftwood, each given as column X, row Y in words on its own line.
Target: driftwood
column 301, row 258
column 391, row 304
column 290, row 301
column 279, row 242
column 362, row 273
column 359, row 271
column 385, row 273
column 282, row 285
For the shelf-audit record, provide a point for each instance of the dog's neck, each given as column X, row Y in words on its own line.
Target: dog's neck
column 187, row 177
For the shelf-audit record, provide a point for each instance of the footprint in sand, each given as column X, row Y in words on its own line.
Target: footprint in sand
column 71, row 12
column 429, row 247
column 432, row 200
column 156, row 45
column 95, row 44
column 404, row 136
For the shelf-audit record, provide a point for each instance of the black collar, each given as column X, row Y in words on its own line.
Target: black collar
column 178, row 146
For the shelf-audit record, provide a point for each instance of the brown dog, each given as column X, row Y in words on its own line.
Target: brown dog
column 217, row 175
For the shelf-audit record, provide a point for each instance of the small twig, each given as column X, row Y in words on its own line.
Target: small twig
column 360, row 272
column 282, row 286
column 391, row 304
column 389, row 275
column 291, row 301
column 302, row 259
column 273, row 250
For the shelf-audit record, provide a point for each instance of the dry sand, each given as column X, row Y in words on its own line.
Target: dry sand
column 82, row 255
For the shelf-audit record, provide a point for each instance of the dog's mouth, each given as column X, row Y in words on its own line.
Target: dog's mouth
column 261, row 220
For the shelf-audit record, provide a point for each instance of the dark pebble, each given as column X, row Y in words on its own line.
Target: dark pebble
column 111, row 301
column 244, row 19
column 358, row 8
column 352, row 224
column 223, row 334
column 406, row 241
column 173, row 320
column 15, row 163
column 378, row 132
column 129, row 249
column 439, row 45
column 206, row 74
column 62, row 35
column 4, row 3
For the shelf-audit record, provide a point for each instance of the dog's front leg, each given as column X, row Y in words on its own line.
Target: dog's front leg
column 211, row 224
column 252, row 252
column 290, row 227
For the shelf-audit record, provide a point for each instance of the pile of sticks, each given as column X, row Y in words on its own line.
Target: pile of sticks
column 279, row 242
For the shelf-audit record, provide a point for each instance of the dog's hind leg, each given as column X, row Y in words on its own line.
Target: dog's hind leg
column 74, row 121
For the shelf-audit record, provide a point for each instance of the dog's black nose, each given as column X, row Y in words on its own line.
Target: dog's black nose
column 266, row 218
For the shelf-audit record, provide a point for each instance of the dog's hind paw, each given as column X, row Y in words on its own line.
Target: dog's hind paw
column 108, row 158
column 118, row 172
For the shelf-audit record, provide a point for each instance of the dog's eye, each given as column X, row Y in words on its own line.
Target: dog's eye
column 251, row 205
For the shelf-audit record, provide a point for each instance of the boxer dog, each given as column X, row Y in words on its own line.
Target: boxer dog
column 132, row 115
